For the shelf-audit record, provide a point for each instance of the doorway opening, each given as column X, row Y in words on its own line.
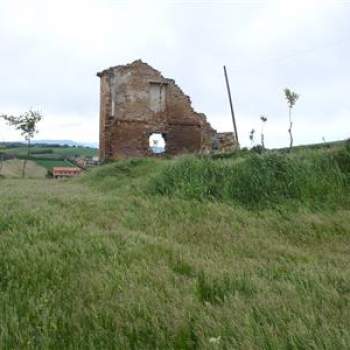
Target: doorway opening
column 157, row 143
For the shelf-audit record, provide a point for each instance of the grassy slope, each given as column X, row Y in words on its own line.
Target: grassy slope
column 13, row 168
column 97, row 263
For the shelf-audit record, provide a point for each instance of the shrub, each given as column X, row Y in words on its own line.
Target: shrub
column 257, row 149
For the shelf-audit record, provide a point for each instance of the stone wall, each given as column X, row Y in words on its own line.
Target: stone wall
column 225, row 142
column 136, row 101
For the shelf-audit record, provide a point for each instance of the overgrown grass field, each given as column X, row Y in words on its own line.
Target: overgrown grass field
column 248, row 252
column 14, row 168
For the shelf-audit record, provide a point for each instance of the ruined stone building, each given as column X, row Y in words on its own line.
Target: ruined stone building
column 136, row 102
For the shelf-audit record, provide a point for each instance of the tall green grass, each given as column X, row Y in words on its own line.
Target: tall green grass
column 259, row 181
column 97, row 262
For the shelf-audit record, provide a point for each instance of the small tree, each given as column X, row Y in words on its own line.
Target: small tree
column 263, row 121
column 291, row 100
column 27, row 125
column 251, row 137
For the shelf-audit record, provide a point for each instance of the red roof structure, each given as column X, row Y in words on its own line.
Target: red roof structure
column 65, row 171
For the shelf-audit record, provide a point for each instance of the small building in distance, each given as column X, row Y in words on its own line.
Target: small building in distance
column 61, row 172
column 143, row 113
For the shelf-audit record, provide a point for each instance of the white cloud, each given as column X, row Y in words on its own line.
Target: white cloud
column 288, row 23
column 51, row 51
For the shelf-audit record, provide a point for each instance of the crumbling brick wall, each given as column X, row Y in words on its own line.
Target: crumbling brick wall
column 136, row 101
column 225, row 142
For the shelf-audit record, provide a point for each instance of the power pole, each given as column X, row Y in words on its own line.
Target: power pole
column 231, row 105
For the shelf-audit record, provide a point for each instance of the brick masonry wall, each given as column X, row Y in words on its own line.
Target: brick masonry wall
column 136, row 101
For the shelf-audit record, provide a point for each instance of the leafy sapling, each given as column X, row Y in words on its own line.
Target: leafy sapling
column 27, row 124
column 251, row 137
column 263, row 121
column 292, row 98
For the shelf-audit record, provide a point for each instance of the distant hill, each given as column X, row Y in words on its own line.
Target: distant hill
column 70, row 143
column 66, row 142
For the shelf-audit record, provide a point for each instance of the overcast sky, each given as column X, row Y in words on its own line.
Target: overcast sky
column 51, row 50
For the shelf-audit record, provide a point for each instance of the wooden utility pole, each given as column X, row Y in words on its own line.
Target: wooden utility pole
column 231, row 105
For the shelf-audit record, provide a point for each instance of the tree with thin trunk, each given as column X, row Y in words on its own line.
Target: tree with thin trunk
column 263, row 120
column 291, row 100
column 251, row 137
column 27, row 124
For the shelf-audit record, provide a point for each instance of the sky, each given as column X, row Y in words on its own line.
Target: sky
column 50, row 52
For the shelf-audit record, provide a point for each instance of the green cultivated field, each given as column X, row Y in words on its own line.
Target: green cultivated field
column 45, row 150
column 248, row 252
column 49, row 164
column 44, row 156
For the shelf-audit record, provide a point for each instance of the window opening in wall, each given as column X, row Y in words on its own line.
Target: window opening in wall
column 157, row 143
column 157, row 97
column 113, row 108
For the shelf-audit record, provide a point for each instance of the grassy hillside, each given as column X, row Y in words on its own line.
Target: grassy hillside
column 13, row 168
column 191, row 253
